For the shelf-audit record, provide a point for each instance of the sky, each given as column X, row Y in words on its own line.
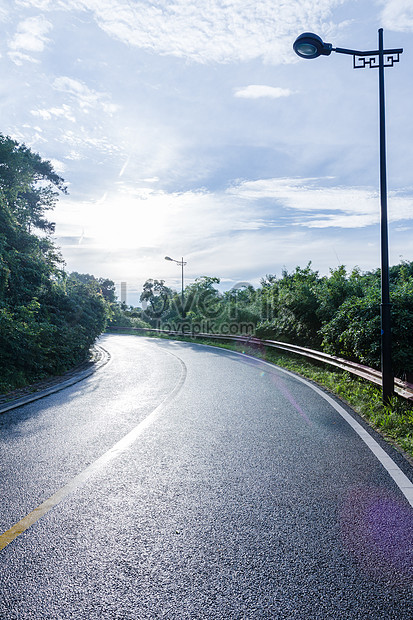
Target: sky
column 190, row 128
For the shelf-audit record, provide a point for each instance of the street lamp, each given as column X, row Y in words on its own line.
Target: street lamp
column 309, row 45
column 181, row 263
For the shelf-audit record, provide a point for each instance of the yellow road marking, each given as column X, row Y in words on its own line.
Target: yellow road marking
column 21, row 526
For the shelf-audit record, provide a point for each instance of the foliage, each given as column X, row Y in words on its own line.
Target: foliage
column 354, row 330
column 27, row 186
column 294, row 304
column 156, row 299
column 202, row 300
column 338, row 313
column 48, row 319
column 126, row 316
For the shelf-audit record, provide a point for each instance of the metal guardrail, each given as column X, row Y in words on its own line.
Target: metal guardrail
column 402, row 388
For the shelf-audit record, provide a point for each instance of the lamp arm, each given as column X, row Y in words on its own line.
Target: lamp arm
column 342, row 50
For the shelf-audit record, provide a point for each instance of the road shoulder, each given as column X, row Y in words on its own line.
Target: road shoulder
column 30, row 393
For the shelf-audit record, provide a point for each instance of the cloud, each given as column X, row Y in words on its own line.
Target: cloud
column 398, row 15
column 3, row 14
column 30, row 37
column 215, row 31
column 81, row 139
column 37, row 4
column 201, row 220
column 52, row 113
column 256, row 91
column 83, row 95
column 252, row 228
column 148, row 217
column 58, row 166
column 19, row 58
column 167, row 155
column 319, row 206
column 74, row 156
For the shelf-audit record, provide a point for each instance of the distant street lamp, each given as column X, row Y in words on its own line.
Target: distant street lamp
column 181, row 263
column 309, row 45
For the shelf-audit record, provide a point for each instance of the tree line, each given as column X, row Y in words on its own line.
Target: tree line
column 48, row 318
column 338, row 313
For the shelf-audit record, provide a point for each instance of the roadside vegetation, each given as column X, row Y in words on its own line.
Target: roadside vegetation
column 338, row 314
column 48, row 317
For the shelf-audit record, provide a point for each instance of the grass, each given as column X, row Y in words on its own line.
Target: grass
column 393, row 422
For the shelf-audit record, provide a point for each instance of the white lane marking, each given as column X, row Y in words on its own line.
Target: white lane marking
column 400, row 479
column 21, row 526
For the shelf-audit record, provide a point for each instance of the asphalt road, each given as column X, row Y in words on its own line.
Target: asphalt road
column 190, row 482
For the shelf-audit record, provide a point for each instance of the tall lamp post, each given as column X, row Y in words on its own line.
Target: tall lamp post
column 309, row 45
column 181, row 263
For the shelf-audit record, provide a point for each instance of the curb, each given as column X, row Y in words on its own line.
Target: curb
column 100, row 358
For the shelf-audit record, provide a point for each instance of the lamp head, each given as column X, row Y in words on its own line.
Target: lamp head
column 168, row 258
column 310, row 45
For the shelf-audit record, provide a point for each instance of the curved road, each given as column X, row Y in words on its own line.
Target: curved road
column 186, row 482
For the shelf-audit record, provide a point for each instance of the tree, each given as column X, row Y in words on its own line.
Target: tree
column 108, row 289
column 202, row 299
column 27, row 186
column 353, row 330
column 48, row 320
column 294, row 304
column 334, row 290
column 156, row 298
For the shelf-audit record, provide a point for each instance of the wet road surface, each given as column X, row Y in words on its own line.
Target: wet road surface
column 197, row 483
